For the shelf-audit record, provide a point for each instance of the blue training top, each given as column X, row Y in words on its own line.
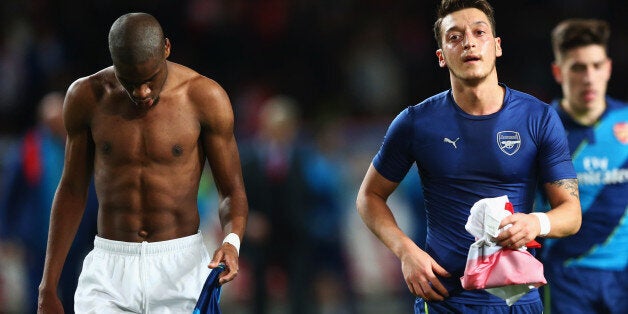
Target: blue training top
column 600, row 157
column 463, row 158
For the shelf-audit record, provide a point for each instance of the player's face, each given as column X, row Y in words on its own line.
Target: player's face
column 583, row 74
column 469, row 48
column 143, row 82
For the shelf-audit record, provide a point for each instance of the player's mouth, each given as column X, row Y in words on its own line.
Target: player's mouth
column 589, row 95
column 471, row 58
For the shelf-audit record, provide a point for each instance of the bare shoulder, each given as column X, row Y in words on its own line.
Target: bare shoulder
column 83, row 95
column 207, row 92
column 209, row 99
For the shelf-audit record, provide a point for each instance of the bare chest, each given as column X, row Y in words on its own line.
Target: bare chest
column 157, row 136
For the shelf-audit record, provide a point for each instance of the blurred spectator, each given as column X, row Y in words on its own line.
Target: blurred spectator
column 327, row 182
column 30, row 176
column 294, row 233
column 272, row 165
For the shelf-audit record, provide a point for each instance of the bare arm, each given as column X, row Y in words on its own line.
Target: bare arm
column 418, row 267
column 71, row 196
column 221, row 150
column 565, row 216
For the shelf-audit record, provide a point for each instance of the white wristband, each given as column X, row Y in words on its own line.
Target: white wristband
column 545, row 223
column 234, row 240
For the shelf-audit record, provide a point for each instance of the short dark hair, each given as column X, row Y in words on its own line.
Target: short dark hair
column 449, row 6
column 574, row 33
column 135, row 38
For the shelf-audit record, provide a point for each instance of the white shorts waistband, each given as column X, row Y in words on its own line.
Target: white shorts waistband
column 159, row 247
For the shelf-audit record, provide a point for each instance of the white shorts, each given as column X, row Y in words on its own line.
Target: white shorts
column 155, row 277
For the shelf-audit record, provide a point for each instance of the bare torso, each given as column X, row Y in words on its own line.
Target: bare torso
column 143, row 131
column 147, row 162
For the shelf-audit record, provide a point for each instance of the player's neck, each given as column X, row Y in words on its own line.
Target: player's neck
column 480, row 100
column 586, row 116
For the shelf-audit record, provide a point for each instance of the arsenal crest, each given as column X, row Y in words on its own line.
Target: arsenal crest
column 620, row 129
column 509, row 142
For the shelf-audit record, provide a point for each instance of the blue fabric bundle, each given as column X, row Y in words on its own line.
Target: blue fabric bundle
column 209, row 299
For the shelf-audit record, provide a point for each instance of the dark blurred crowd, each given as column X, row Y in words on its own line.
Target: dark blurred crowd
column 313, row 85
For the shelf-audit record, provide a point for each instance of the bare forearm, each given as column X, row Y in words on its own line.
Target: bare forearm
column 565, row 220
column 234, row 213
column 379, row 219
column 566, row 214
column 65, row 219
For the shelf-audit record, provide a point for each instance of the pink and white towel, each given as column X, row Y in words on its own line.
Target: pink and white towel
column 505, row 273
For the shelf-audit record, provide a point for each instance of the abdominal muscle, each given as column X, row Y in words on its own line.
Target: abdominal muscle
column 147, row 203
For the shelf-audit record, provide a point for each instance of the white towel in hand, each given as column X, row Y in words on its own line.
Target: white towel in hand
column 505, row 273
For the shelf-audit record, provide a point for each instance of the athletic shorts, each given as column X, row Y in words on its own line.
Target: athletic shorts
column 459, row 308
column 576, row 290
column 156, row 277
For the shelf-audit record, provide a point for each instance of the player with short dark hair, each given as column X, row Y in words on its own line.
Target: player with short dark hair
column 144, row 128
column 588, row 272
column 477, row 140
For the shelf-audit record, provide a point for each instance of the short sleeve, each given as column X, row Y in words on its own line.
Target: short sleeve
column 554, row 157
column 394, row 158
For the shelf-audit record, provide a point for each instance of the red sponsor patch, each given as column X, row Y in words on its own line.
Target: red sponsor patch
column 620, row 129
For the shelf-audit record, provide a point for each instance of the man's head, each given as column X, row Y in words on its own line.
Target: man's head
column 465, row 33
column 139, row 50
column 581, row 64
column 575, row 33
column 450, row 6
column 279, row 119
column 136, row 38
